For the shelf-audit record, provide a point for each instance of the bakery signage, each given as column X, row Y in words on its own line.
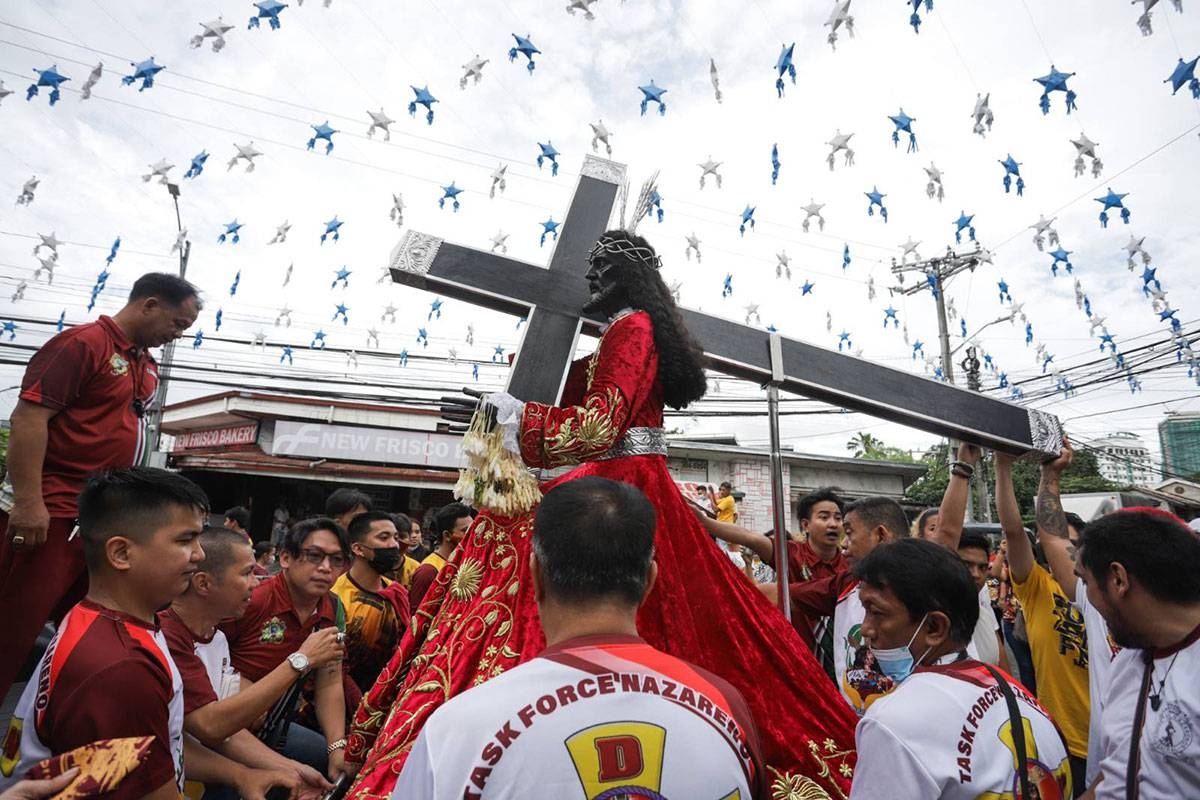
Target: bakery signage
column 216, row 437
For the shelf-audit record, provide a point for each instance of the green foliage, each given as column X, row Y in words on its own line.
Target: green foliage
column 868, row 446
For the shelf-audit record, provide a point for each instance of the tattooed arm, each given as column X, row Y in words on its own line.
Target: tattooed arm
column 1052, row 523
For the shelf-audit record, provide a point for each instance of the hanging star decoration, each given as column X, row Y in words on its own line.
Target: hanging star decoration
column 807, row 288
column 1028, row 333
column 332, row 228
column 934, row 188
column 470, row 337
column 870, row 287
column 404, row 357
column 840, row 142
column 500, row 242
column 813, row 209
column 548, row 153
column 422, row 97
column 693, row 246
column 472, row 70
column 918, row 347
column 19, row 294
column 322, row 131
column 845, row 257
column 435, row 309
column 50, row 242
column 964, row 223
column 747, row 219
column 475, row 372
column 268, row 10
column 909, row 248
column 244, row 151
column 889, row 315
column 727, row 285
column 499, row 182
column 784, row 66
column 875, row 198
column 600, row 134
column 318, row 338
column 342, row 275
column 654, row 205
column 1055, row 81
column 143, row 71
column 715, row 79
column 285, row 314
column 373, row 336
column 549, row 228
column 287, row 353
column 281, row 232
column 198, row 339
column 775, row 165
column 159, row 170
column 1134, row 249
column 112, row 254
column 47, row 265
column 197, row 165
column 1148, row 278
column 396, row 213
column 340, row 311
column 1185, row 74
column 237, row 279
column 498, row 354
column 215, row 30
column 524, row 47
column 50, row 78
column 962, row 327
column 389, row 313
column 1004, row 294
column 903, row 123
column 232, row 232
column 915, row 19
column 220, row 316
column 581, row 5
column 62, row 321
column 783, row 266
column 1143, row 21
column 1044, row 228
column 380, row 121
column 4, row 91
column 982, row 115
column 1012, row 169
column 709, row 167
column 1086, row 147
column 85, row 91
column 653, row 94
column 1112, row 200
column 451, row 193
column 752, row 314
column 837, row 18
column 844, row 340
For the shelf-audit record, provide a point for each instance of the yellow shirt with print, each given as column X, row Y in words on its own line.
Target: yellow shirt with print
column 726, row 509
column 1058, row 642
column 436, row 560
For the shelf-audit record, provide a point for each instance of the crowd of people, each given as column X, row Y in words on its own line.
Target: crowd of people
column 1062, row 663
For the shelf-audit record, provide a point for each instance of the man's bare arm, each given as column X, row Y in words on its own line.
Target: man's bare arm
column 1052, row 522
column 954, row 502
column 29, row 518
column 761, row 546
column 1020, row 551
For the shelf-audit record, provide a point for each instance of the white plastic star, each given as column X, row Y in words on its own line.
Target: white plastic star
column 473, row 69
column 247, row 151
column 379, row 120
column 813, row 209
column 159, row 169
column 500, row 242
column 581, row 5
column 281, row 233
column 215, row 30
column 840, row 142
column 600, row 134
column 498, row 179
column 709, row 167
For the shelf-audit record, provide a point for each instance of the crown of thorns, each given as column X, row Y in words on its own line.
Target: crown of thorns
column 610, row 246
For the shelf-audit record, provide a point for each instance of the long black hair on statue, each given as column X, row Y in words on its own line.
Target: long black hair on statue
column 680, row 358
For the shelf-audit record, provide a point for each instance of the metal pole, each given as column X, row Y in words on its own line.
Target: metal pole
column 778, row 503
column 155, row 412
column 947, row 364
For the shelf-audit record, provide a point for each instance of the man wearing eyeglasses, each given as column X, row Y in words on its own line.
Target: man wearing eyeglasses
column 283, row 611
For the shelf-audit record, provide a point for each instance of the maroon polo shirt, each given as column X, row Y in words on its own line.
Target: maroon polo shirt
column 89, row 374
column 805, row 565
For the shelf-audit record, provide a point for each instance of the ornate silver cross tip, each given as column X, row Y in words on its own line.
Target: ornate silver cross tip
column 603, row 170
column 414, row 253
column 1046, row 432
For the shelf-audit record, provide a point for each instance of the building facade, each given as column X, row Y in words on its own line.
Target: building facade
column 1124, row 459
column 1179, row 438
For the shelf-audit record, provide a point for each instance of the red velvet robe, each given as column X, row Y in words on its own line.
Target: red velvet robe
column 480, row 618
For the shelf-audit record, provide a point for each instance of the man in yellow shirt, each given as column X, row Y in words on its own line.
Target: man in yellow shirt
column 451, row 523
column 724, row 503
column 403, row 574
column 1057, row 638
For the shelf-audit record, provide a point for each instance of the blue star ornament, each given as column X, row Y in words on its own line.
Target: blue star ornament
column 915, row 19
column 1055, row 81
column 918, row 347
column 422, row 97
column 747, row 219
column 548, row 153
column 318, row 338
column 342, row 275
column 1012, row 169
column 654, row 205
column 844, row 339
column 727, row 285
column 51, row 79
column 435, row 309
column 1110, row 201
column 450, row 193
column 340, row 311
column 889, row 315
column 197, row 165
column 964, row 223
column 903, row 123
column 549, row 228
column 10, row 328
column 845, row 257
column 143, row 71
column 332, row 228
column 784, row 65
column 525, row 48
column 404, row 357
column 653, row 94
column 1184, row 74
column 498, row 353
column 198, row 340
column 322, row 131
column 1061, row 256
column 231, row 232
column 1148, row 277
column 1004, row 295
column 220, row 317
column 807, row 288
column 775, row 165
column 875, row 198
column 287, row 353
column 268, row 10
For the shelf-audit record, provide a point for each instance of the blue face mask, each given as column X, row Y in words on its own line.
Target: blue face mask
column 898, row 662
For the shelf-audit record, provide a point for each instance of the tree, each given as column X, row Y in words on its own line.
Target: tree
column 870, row 447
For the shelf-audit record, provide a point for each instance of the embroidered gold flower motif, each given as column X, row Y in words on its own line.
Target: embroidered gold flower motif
column 491, row 651
column 796, row 787
column 465, row 583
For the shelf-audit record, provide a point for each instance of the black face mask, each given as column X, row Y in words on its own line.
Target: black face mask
column 385, row 559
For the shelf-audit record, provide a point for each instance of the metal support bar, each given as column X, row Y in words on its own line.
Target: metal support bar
column 778, row 496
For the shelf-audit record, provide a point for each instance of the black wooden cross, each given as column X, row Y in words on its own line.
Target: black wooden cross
column 553, row 298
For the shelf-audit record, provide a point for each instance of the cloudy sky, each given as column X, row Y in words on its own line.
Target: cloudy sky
column 334, row 63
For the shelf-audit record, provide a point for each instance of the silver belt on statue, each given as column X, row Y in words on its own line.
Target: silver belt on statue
column 635, row 442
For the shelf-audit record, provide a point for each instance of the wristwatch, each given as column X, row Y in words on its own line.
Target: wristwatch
column 299, row 662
